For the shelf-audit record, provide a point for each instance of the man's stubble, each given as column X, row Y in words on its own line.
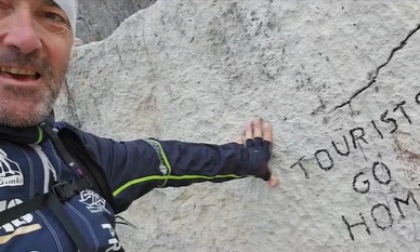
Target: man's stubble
column 27, row 106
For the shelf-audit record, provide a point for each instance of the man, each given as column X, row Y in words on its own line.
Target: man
column 59, row 186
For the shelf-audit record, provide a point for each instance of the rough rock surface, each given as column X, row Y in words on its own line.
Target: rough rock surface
column 99, row 18
column 197, row 70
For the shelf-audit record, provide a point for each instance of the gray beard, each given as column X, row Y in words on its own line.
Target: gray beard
column 23, row 106
column 37, row 111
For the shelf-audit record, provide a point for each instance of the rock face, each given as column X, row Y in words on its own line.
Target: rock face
column 338, row 80
column 99, row 18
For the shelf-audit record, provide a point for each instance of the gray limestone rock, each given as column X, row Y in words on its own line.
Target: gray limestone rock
column 99, row 18
column 337, row 80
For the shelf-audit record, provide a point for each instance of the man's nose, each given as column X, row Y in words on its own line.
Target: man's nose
column 22, row 33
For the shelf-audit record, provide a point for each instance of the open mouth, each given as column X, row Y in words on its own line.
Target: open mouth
column 19, row 73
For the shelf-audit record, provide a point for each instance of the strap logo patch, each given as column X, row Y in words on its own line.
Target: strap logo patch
column 94, row 203
column 10, row 172
column 20, row 226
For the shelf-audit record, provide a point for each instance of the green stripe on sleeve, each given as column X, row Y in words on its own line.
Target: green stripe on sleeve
column 172, row 177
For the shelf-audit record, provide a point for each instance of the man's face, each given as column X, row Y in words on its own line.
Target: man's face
column 35, row 46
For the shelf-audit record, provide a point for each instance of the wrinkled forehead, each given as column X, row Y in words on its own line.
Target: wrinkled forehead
column 70, row 8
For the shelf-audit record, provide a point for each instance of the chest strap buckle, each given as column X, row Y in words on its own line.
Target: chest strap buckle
column 67, row 190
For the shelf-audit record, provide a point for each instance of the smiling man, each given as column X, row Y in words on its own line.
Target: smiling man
column 36, row 41
column 60, row 187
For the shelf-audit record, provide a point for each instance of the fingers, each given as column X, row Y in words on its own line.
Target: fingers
column 257, row 128
column 249, row 142
column 268, row 133
column 248, row 131
column 273, row 181
column 257, row 133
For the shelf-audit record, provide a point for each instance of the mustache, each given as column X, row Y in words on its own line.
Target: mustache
column 14, row 57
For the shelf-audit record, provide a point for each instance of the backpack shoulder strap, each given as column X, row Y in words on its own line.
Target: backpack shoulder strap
column 90, row 167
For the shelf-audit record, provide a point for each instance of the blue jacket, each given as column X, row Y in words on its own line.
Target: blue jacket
column 133, row 168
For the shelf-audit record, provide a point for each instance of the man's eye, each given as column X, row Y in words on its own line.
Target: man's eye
column 54, row 16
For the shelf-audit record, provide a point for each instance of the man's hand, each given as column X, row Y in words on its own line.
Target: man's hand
column 260, row 141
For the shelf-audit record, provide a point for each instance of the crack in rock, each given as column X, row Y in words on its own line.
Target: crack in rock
column 376, row 72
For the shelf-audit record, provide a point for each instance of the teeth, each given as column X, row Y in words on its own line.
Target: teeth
column 19, row 71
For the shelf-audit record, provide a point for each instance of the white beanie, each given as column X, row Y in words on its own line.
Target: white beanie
column 70, row 8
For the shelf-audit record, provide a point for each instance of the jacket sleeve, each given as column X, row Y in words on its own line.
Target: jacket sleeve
column 134, row 168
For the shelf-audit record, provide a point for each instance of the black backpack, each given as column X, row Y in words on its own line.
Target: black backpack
column 78, row 157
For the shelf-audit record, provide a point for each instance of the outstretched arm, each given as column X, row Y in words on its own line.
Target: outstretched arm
column 134, row 168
